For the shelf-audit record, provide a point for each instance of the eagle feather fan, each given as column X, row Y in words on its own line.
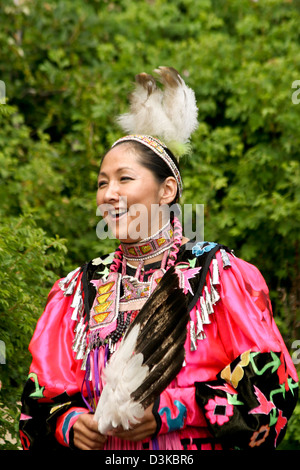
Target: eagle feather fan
column 149, row 357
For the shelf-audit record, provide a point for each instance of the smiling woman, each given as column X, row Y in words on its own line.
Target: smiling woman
column 160, row 345
column 130, row 197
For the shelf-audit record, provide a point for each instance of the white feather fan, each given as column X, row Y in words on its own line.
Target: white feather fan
column 125, row 372
column 149, row 357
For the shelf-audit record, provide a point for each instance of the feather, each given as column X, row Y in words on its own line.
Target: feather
column 125, row 372
column 150, row 356
column 169, row 114
column 179, row 103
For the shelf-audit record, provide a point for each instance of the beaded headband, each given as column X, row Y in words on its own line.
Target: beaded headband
column 157, row 147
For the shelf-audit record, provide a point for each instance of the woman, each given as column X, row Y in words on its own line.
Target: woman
column 225, row 377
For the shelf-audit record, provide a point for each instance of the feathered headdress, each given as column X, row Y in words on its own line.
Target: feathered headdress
column 168, row 113
column 150, row 356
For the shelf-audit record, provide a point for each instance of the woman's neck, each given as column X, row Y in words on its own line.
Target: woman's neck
column 135, row 262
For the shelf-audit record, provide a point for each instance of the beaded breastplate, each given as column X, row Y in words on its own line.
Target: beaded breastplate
column 108, row 302
column 112, row 308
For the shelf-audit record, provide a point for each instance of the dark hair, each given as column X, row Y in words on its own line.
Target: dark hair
column 153, row 162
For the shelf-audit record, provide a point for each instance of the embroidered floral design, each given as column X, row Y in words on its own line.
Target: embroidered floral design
column 280, row 424
column 248, row 405
column 39, row 391
column 259, row 436
column 231, row 393
column 178, row 422
column 24, row 441
column 238, row 372
column 282, row 373
column 218, row 410
column 265, row 406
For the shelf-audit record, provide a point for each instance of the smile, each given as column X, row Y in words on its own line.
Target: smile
column 117, row 213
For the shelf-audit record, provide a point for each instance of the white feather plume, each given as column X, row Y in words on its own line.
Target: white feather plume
column 124, row 373
column 169, row 114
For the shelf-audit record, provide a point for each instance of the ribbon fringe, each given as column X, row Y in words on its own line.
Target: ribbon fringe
column 205, row 305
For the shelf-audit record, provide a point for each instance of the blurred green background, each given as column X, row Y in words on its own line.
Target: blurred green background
column 68, row 67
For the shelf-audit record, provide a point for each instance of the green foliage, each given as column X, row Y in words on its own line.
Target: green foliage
column 68, row 67
column 28, row 257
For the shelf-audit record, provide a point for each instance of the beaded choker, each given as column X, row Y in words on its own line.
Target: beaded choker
column 149, row 247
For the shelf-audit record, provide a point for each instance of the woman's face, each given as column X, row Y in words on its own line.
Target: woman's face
column 129, row 196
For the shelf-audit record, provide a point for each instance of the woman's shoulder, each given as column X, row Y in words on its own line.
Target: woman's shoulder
column 205, row 252
column 97, row 265
column 209, row 253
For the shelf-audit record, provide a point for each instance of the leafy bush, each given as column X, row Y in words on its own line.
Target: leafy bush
column 28, row 257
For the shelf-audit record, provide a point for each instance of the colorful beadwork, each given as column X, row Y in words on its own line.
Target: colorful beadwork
column 105, row 307
column 133, row 289
column 151, row 247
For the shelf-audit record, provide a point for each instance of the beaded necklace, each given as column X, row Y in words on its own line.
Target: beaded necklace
column 111, row 313
column 172, row 244
column 151, row 246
